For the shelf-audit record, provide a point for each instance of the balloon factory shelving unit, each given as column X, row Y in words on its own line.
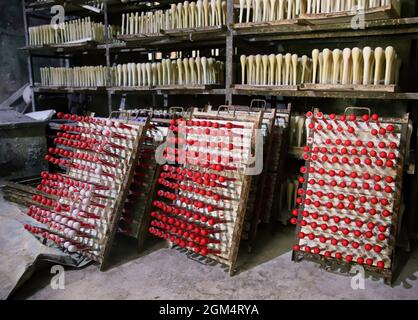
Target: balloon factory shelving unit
column 300, row 30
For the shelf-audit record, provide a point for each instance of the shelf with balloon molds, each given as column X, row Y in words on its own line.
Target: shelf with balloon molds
column 317, row 91
column 301, row 29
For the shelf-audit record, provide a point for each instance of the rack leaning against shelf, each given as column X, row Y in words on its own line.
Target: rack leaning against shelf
column 78, row 210
column 135, row 216
column 204, row 188
column 261, row 199
column 350, row 196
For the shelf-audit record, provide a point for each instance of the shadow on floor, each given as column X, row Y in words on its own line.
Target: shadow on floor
column 408, row 267
column 125, row 249
column 271, row 242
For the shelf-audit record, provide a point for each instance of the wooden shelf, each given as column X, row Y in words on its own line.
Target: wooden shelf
column 66, row 48
column 115, row 6
column 206, row 36
column 260, row 90
column 301, row 29
column 70, row 6
column 172, row 89
column 48, row 89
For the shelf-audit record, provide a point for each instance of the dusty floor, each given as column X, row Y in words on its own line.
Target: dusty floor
column 266, row 273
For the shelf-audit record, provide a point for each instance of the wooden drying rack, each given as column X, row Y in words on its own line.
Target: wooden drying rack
column 331, row 264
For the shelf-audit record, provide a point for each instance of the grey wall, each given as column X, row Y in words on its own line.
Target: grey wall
column 13, row 66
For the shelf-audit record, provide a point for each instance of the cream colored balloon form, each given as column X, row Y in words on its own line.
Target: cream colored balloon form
column 88, row 76
column 390, row 59
column 218, row 20
column 241, row 10
column 199, row 70
column 336, row 66
column 279, row 74
column 265, row 62
column 272, row 69
column 257, row 69
column 186, row 71
column 368, row 62
column 294, row 70
column 333, row 6
column 379, row 62
column 205, row 13
column 80, row 30
column 243, row 60
column 315, row 61
column 251, row 70
column 287, row 68
column 192, row 68
column 248, row 4
column 347, row 65
column 355, row 53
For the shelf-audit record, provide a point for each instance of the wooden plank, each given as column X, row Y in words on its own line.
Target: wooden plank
column 264, row 87
column 40, row 89
column 236, row 238
column 383, row 27
column 186, row 87
column 352, row 87
column 141, row 37
column 210, row 30
column 127, row 181
column 394, row 198
column 264, row 24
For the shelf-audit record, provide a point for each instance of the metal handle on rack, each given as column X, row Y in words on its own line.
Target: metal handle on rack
column 172, row 110
column 115, row 114
column 189, row 111
column 120, row 113
column 242, row 108
column 262, row 101
column 134, row 113
column 357, row 108
column 224, row 107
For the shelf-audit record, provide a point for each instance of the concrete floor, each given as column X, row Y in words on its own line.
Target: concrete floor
column 267, row 273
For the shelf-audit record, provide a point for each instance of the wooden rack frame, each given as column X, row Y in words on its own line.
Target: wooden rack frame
column 331, row 263
column 143, row 206
column 256, row 118
column 113, row 212
column 260, row 200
